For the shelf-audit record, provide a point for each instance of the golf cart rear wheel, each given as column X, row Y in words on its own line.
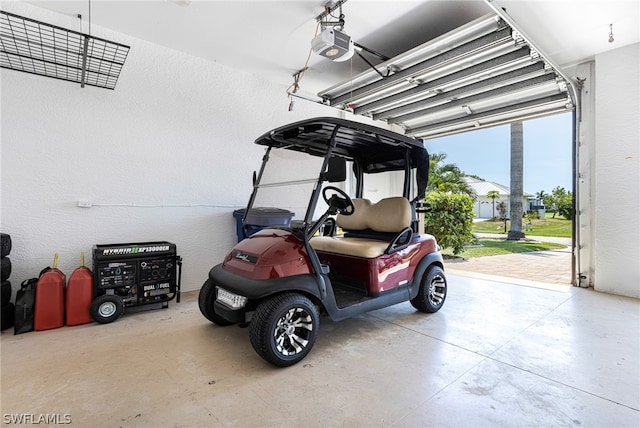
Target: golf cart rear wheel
column 106, row 308
column 433, row 291
column 284, row 328
column 206, row 300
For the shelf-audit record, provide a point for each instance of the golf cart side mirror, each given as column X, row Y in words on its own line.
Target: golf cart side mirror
column 336, row 170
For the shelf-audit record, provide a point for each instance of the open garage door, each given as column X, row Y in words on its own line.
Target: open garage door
column 479, row 75
column 482, row 74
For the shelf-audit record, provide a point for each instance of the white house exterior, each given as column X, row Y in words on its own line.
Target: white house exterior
column 484, row 206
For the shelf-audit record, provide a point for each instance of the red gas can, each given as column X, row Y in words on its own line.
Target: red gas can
column 49, row 304
column 79, row 295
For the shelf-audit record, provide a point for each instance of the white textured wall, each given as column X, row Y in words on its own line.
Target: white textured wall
column 617, row 172
column 177, row 131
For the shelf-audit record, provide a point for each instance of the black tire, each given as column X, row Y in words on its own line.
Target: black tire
column 206, row 300
column 284, row 328
column 106, row 308
column 433, row 290
column 5, row 268
column 7, row 313
column 5, row 244
column 6, row 293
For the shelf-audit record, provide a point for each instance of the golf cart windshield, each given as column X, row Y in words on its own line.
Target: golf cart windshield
column 287, row 182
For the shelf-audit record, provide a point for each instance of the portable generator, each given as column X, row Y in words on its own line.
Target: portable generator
column 133, row 274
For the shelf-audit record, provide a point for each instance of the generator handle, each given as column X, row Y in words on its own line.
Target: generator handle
column 179, row 262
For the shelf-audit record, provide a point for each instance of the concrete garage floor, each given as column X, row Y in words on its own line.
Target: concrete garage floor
column 496, row 355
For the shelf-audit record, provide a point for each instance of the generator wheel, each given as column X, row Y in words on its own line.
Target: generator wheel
column 106, row 308
column 433, row 291
column 206, row 300
column 284, row 328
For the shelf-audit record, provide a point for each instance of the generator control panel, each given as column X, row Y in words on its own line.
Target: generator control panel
column 139, row 273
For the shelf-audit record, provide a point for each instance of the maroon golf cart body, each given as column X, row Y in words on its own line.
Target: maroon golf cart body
column 354, row 257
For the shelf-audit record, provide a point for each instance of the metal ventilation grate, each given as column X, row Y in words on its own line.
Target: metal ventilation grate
column 47, row 50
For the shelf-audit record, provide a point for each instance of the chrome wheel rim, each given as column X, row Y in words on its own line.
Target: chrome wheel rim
column 437, row 290
column 107, row 309
column 292, row 331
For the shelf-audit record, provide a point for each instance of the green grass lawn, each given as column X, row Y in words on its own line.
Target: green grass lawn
column 559, row 227
column 496, row 247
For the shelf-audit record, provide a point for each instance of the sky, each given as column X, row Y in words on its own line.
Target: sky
column 486, row 153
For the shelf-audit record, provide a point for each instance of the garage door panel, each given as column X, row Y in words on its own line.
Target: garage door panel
column 520, row 111
column 482, row 48
column 470, row 31
column 482, row 74
column 510, row 65
column 456, row 101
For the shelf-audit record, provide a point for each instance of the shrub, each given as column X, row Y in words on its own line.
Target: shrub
column 565, row 208
column 450, row 220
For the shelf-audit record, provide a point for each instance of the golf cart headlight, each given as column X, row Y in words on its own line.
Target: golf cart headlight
column 235, row 301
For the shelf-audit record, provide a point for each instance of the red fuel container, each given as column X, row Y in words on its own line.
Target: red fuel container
column 79, row 295
column 49, row 304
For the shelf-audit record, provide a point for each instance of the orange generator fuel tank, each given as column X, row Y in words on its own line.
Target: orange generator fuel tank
column 49, row 304
column 79, row 295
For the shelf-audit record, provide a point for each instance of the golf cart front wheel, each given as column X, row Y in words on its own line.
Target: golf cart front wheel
column 284, row 328
column 106, row 308
column 433, row 291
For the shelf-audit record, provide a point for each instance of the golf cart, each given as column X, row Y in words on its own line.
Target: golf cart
column 339, row 256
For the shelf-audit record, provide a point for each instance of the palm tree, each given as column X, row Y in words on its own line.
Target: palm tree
column 515, row 200
column 447, row 177
column 493, row 195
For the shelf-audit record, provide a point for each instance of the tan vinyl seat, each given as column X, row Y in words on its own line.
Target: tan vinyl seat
column 387, row 216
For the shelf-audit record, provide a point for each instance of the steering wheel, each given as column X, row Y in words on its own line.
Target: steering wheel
column 339, row 200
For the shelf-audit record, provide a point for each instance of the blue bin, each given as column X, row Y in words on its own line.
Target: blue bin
column 259, row 218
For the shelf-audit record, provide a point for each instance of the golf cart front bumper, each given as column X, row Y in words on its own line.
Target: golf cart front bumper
column 235, row 316
column 237, row 296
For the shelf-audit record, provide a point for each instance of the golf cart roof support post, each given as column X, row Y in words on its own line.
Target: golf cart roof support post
column 315, row 195
column 407, row 175
column 313, row 256
column 252, row 198
column 359, row 174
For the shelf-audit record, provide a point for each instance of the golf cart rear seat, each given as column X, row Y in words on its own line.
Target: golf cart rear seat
column 372, row 230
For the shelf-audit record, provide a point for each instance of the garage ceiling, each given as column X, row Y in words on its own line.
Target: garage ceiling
column 455, row 65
